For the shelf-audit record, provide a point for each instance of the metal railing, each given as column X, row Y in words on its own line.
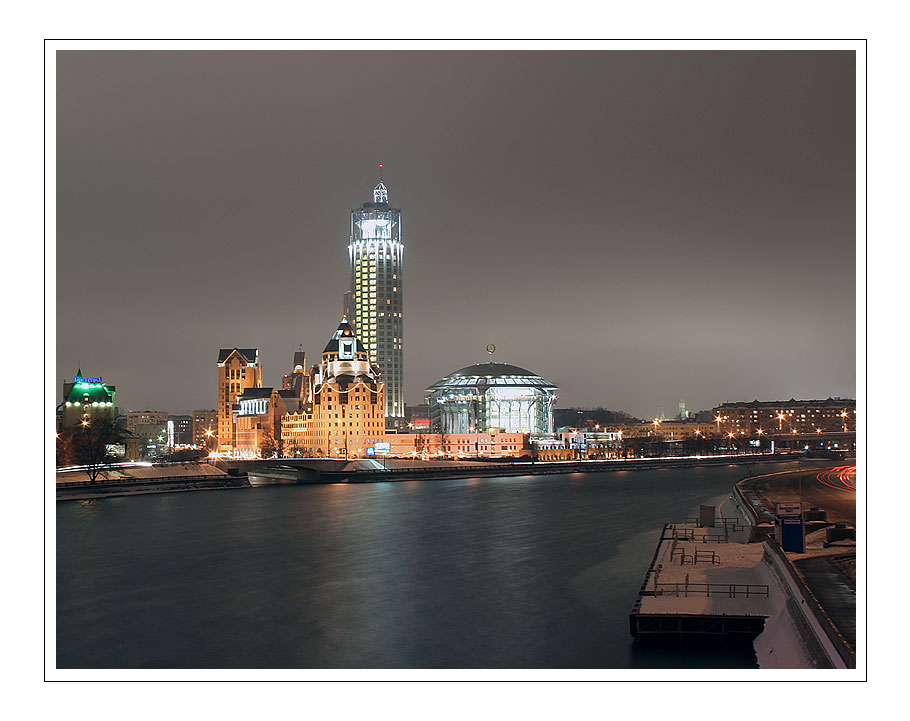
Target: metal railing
column 730, row 590
column 141, row 481
column 733, row 524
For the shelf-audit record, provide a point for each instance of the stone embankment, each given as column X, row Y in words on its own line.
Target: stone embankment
column 819, row 588
column 140, row 480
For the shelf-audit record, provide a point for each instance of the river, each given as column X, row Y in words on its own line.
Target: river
column 522, row 572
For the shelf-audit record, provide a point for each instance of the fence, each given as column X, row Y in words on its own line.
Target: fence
column 142, row 481
column 730, row 590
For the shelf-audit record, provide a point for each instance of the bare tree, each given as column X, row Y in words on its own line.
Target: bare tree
column 87, row 444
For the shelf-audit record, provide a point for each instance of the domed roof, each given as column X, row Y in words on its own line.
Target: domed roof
column 492, row 374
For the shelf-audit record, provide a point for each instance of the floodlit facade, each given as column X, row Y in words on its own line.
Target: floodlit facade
column 258, row 430
column 485, row 396
column 376, row 252
column 87, row 398
column 428, row 446
column 346, row 415
column 238, row 370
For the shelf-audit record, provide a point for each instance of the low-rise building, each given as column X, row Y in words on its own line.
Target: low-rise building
column 180, row 430
column 457, row 445
column 668, row 430
column 205, row 429
column 134, row 419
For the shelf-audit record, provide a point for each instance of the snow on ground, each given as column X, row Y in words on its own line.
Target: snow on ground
column 780, row 645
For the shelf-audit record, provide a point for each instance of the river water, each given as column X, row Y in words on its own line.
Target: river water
column 526, row 572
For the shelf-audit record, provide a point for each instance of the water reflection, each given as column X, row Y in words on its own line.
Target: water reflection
column 537, row 571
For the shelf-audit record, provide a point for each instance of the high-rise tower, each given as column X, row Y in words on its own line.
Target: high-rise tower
column 376, row 252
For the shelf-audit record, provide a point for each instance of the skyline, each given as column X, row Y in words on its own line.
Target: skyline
column 692, row 234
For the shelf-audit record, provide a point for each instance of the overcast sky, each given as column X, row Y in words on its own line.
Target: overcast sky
column 636, row 227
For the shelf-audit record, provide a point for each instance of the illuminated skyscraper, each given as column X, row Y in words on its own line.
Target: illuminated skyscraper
column 376, row 252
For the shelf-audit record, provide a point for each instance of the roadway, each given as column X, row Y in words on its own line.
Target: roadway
column 830, row 487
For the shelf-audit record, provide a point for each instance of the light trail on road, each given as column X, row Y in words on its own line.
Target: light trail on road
column 841, row 478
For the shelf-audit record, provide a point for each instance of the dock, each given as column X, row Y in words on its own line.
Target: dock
column 703, row 581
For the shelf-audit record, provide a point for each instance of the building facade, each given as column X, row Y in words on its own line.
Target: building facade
column 492, row 395
column 670, row 430
column 87, row 398
column 458, row 445
column 298, row 380
column 257, row 430
column 376, row 252
column 134, row 419
column 346, row 412
column 238, row 370
column 832, row 415
column 180, row 430
column 205, row 429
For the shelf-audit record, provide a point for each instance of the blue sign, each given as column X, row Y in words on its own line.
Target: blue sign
column 382, row 447
column 371, row 451
column 80, row 379
column 792, row 535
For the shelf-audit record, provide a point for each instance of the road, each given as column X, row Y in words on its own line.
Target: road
column 830, row 487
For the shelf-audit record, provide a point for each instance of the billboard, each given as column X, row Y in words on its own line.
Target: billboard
column 788, row 509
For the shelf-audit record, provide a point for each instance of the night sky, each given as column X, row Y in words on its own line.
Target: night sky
column 636, row 227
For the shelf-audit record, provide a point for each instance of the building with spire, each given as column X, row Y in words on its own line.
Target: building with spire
column 376, row 252
column 85, row 399
column 346, row 415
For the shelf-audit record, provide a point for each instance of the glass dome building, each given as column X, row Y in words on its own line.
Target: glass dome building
column 492, row 395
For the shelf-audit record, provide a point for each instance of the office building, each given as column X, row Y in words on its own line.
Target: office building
column 376, row 253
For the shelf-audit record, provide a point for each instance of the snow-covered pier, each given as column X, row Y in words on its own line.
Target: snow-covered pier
column 704, row 580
